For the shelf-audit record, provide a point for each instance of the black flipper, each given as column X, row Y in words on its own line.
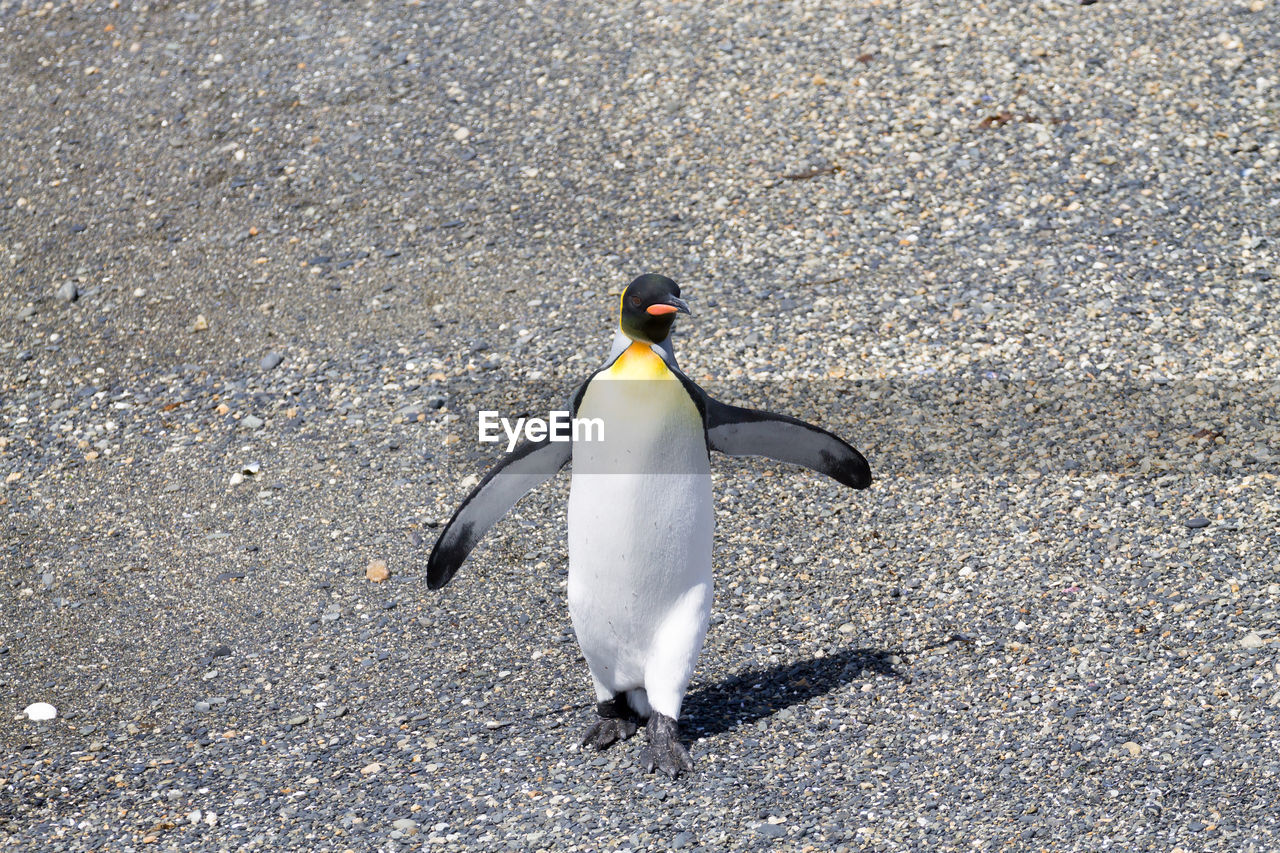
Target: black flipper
column 524, row 469
column 749, row 432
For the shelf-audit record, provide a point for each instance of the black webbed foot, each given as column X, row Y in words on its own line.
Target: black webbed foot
column 605, row 733
column 617, row 722
column 665, row 752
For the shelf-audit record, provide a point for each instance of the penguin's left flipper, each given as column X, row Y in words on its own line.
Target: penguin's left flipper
column 518, row 473
column 749, row 432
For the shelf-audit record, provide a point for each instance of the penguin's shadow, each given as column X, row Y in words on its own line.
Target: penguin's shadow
column 749, row 696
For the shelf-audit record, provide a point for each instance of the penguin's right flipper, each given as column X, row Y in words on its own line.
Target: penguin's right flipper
column 749, row 432
column 518, row 473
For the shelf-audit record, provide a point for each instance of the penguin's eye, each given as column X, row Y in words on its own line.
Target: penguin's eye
column 635, row 302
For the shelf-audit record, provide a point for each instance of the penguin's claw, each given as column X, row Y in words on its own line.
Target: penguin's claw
column 606, row 732
column 665, row 752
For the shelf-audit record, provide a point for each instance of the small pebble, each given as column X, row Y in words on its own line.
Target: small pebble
column 40, row 711
column 1251, row 640
column 377, row 571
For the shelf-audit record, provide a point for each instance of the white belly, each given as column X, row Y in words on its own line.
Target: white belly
column 640, row 532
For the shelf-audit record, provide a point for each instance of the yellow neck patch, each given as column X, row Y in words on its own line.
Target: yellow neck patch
column 638, row 361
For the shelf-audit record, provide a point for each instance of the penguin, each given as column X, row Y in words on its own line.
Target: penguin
column 641, row 517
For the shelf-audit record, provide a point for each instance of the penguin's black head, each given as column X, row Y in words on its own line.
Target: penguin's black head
column 649, row 307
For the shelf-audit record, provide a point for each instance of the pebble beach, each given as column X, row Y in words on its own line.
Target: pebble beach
column 261, row 264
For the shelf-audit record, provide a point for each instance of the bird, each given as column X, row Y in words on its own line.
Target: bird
column 640, row 517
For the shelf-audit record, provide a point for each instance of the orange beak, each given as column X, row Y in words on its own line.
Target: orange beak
column 659, row 310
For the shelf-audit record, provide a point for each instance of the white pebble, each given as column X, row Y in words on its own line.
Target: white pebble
column 40, row 711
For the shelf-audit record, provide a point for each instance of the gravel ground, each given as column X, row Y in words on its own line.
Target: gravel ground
column 263, row 261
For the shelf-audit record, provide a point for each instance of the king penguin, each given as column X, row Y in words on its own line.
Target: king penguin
column 641, row 517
